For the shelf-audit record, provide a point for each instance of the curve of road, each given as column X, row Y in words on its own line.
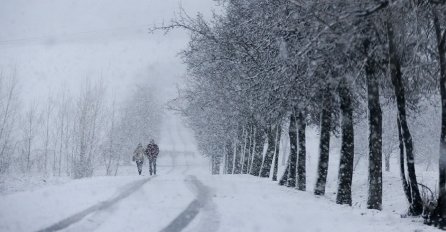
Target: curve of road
column 209, row 220
column 188, row 215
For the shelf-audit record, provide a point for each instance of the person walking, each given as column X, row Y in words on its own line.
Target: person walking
column 152, row 151
column 138, row 157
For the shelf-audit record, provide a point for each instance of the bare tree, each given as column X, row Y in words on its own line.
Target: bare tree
column 48, row 111
column 8, row 112
column 29, row 133
column 89, row 111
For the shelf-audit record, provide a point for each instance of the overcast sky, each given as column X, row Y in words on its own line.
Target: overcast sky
column 51, row 42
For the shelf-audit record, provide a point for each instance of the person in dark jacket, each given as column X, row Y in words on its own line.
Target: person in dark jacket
column 138, row 157
column 152, row 151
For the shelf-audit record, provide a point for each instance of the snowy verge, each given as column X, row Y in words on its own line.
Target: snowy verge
column 247, row 203
column 17, row 183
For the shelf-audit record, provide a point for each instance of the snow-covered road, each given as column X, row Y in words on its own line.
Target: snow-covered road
column 101, row 206
column 184, row 197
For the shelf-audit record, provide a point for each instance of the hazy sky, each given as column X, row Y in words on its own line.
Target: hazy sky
column 51, row 42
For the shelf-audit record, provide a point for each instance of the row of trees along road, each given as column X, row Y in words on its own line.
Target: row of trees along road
column 73, row 133
column 260, row 65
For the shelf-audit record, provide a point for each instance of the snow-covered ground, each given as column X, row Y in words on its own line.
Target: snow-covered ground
column 185, row 197
column 222, row 203
column 393, row 195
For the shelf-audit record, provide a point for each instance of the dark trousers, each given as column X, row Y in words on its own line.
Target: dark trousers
column 152, row 166
column 139, row 165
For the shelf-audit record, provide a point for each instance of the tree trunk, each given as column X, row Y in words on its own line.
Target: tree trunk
column 215, row 165
column 324, row 144
column 269, row 156
column 301, row 159
column 439, row 214
column 276, row 152
column 47, row 139
column 345, row 175
column 247, row 151
column 238, row 152
column 259, row 141
column 292, row 131
column 387, row 162
column 284, row 179
column 402, row 171
column 416, row 205
column 251, row 149
column 54, row 162
column 225, row 160
column 374, row 200
column 244, row 147
column 229, row 157
column 28, row 157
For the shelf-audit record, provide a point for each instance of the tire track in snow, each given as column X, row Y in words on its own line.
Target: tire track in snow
column 202, row 201
column 97, row 219
column 131, row 188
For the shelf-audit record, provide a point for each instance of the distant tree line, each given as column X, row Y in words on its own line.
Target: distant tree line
column 73, row 132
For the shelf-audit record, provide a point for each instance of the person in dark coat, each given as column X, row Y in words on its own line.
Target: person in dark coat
column 152, row 151
column 138, row 157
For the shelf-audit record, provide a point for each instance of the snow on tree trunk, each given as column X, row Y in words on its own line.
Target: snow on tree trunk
column 284, row 179
column 402, row 170
column 276, row 153
column 268, row 160
column 252, row 149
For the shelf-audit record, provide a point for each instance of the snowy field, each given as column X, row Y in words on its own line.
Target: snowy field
column 185, row 196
